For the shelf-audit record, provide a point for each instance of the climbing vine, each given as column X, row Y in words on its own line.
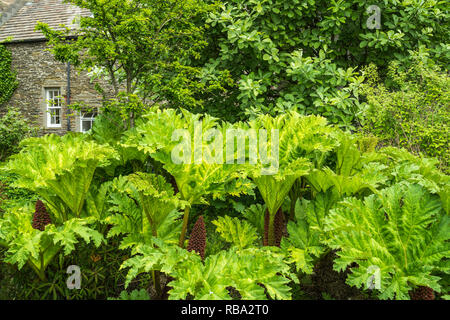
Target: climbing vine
column 8, row 81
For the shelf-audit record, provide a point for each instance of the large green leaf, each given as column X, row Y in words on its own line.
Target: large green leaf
column 158, row 135
column 242, row 270
column 238, row 232
column 144, row 206
column 402, row 232
column 59, row 170
column 301, row 140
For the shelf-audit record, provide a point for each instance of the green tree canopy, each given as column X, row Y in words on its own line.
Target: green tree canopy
column 291, row 54
column 145, row 48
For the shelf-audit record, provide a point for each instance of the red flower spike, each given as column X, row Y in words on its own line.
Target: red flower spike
column 197, row 240
column 41, row 218
column 422, row 293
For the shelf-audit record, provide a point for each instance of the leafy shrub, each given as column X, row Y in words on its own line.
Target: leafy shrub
column 133, row 295
column 100, row 275
column 13, row 129
column 411, row 109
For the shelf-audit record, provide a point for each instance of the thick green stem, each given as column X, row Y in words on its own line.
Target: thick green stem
column 184, row 228
column 155, row 273
column 292, row 208
column 151, row 223
column 42, row 276
column 41, row 270
column 35, row 269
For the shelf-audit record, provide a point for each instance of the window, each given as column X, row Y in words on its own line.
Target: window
column 87, row 120
column 54, row 104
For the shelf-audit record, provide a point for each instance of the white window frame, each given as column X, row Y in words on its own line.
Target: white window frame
column 91, row 119
column 50, row 99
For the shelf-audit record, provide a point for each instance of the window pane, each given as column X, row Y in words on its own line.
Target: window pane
column 55, row 115
column 87, row 119
column 57, row 101
column 54, row 104
column 53, row 97
column 86, row 125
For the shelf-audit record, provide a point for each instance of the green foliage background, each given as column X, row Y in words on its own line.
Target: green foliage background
column 411, row 108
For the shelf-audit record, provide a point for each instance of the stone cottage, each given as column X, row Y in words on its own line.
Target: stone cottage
column 46, row 86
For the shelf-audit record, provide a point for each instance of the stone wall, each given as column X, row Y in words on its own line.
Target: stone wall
column 36, row 70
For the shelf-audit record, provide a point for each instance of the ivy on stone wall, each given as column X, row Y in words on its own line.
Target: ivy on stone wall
column 8, row 81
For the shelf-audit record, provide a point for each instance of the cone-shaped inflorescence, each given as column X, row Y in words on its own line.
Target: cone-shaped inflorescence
column 197, row 240
column 422, row 293
column 278, row 226
column 41, row 218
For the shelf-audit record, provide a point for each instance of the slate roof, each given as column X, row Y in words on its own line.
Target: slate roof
column 21, row 25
